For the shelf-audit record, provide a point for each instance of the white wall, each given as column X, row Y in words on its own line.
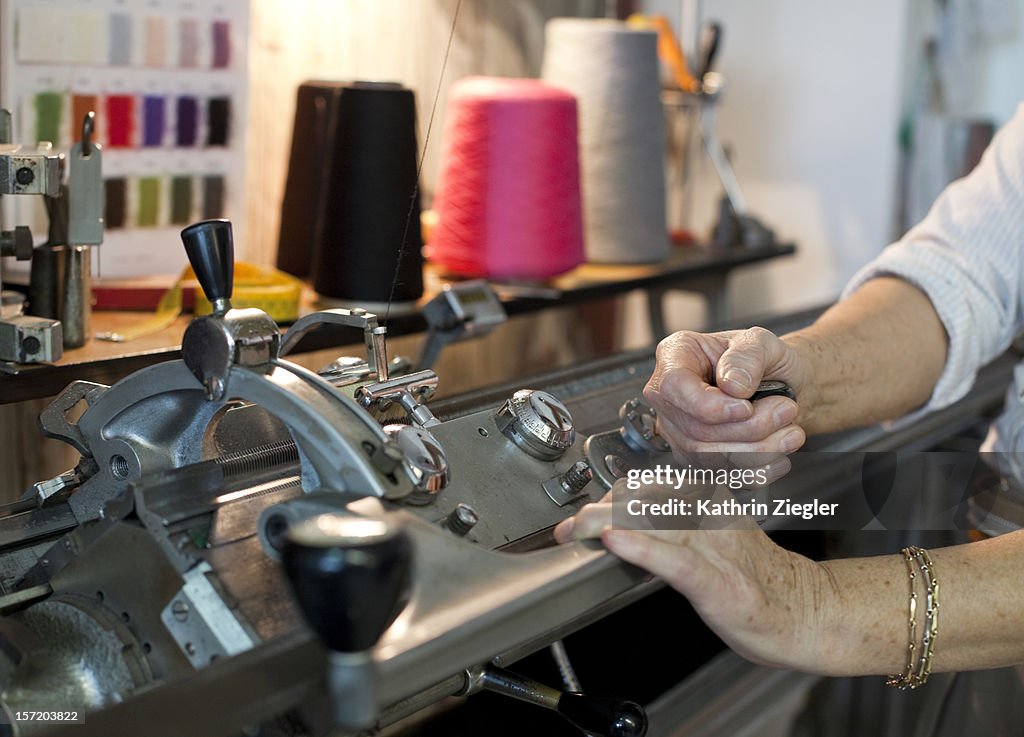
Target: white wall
column 1002, row 78
column 811, row 114
column 992, row 57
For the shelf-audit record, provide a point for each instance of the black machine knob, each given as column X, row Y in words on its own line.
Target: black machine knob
column 603, row 716
column 17, row 243
column 772, row 388
column 349, row 575
column 211, row 251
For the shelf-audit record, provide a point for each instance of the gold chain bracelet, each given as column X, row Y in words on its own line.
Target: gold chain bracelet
column 931, row 614
column 902, row 680
column 912, row 678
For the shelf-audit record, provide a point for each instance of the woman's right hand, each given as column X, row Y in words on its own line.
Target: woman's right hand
column 701, row 387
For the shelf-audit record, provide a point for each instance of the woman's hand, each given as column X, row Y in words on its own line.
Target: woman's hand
column 765, row 602
column 701, row 387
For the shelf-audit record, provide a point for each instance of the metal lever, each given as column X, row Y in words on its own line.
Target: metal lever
column 736, row 226
column 373, row 334
column 211, row 251
column 591, row 714
column 213, row 344
column 710, row 40
column 349, row 575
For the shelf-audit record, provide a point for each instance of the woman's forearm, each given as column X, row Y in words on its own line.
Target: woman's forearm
column 874, row 356
column 863, row 628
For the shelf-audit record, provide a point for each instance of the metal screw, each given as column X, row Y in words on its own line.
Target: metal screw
column 190, row 648
column 24, row 176
column 578, row 476
column 31, row 345
column 180, row 610
column 462, row 519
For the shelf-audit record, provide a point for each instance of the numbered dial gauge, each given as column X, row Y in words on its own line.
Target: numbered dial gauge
column 538, row 423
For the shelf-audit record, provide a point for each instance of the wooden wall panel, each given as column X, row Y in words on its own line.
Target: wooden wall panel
column 389, row 40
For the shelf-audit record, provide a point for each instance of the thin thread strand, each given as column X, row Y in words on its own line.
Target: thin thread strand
column 423, row 155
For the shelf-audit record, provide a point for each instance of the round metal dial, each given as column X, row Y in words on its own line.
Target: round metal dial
column 538, row 423
column 639, row 427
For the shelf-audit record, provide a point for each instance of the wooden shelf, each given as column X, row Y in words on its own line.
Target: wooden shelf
column 688, row 269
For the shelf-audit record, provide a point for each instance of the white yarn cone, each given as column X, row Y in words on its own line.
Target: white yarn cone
column 613, row 71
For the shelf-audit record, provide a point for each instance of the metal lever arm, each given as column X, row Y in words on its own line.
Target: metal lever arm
column 373, row 334
column 591, row 714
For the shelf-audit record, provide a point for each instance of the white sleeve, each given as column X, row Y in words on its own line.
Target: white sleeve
column 967, row 255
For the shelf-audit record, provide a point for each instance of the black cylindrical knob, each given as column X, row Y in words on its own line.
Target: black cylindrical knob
column 349, row 575
column 603, row 716
column 22, row 243
column 17, row 243
column 211, row 251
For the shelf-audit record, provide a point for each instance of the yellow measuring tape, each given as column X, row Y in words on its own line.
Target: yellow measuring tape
column 270, row 290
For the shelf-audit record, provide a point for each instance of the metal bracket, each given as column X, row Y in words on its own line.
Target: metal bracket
column 202, row 624
column 26, row 339
column 460, row 311
column 54, row 422
column 85, row 196
column 30, row 172
column 373, row 334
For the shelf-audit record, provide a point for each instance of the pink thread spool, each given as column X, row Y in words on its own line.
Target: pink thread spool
column 508, row 192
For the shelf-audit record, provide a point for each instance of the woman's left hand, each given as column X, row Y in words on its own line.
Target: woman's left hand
column 765, row 602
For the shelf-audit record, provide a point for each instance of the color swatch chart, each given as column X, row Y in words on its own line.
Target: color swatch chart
column 167, row 80
column 184, row 121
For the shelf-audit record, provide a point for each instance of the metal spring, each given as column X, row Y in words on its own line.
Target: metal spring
column 259, row 459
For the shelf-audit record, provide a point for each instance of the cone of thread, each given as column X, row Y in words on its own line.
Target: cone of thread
column 508, row 192
column 351, row 214
column 613, row 71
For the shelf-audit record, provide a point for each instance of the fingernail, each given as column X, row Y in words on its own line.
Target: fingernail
column 784, row 414
column 563, row 532
column 738, row 410
column 791, row 441
column 740, row 377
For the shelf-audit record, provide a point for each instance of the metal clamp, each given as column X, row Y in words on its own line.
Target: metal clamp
column 24, row 171
column 408, row 391
column 460, row 311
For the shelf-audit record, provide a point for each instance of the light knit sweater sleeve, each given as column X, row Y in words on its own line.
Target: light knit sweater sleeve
column 967, row 255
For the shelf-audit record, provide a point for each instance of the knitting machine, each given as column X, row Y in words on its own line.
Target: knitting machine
column 249, row 547
column 212, row 488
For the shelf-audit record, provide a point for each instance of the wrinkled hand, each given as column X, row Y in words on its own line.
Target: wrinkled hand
column 765, row 602
column 701, row 387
